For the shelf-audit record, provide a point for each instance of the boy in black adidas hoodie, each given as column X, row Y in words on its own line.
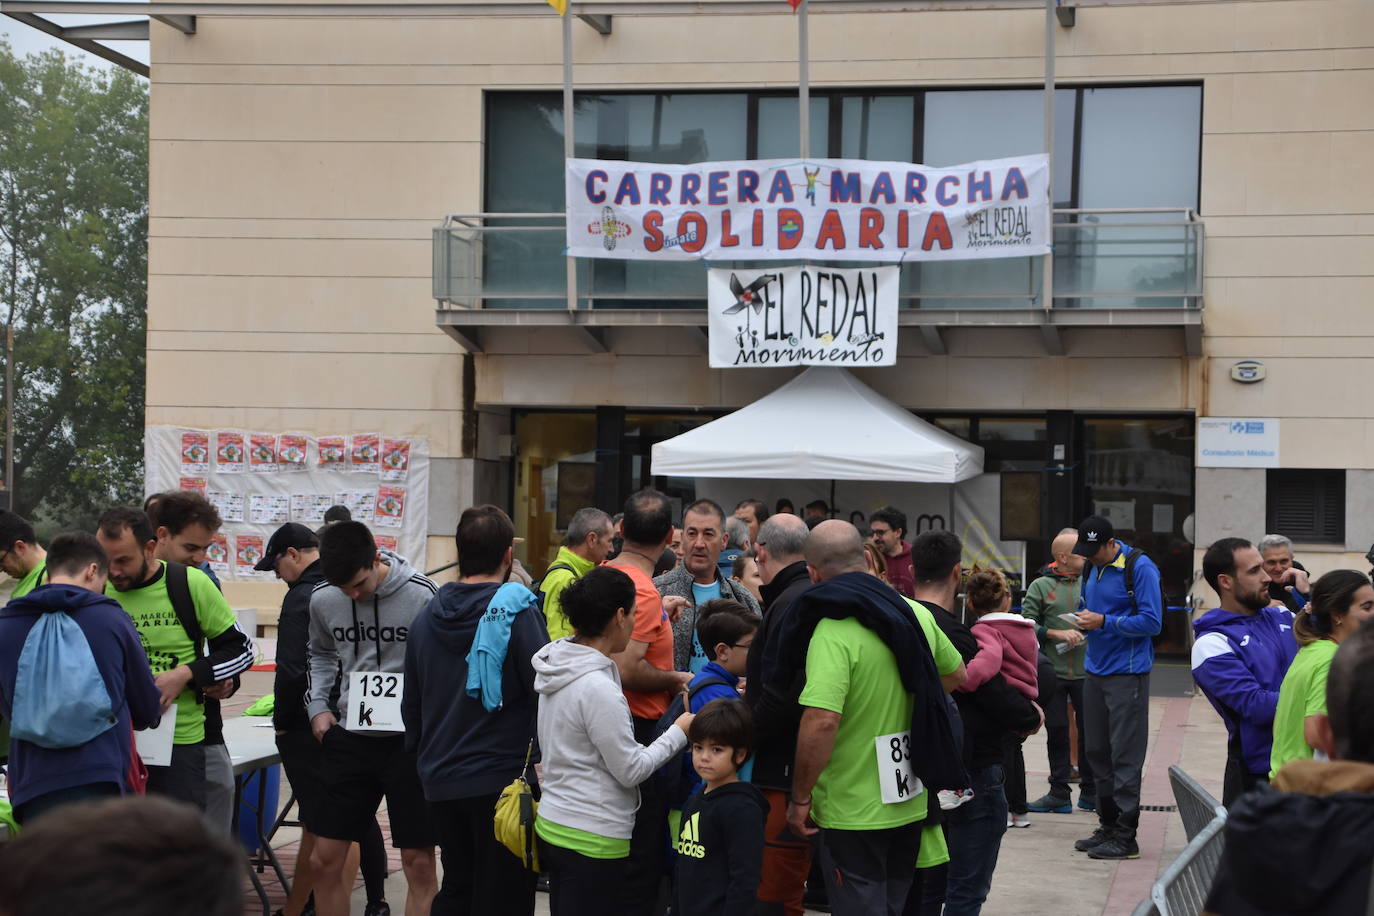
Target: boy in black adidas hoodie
column 720, row 841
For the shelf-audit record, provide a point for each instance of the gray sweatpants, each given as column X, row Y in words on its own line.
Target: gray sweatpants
column 1116, row 723
column 219, row 789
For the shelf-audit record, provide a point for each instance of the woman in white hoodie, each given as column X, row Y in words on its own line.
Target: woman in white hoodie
column 592, row 765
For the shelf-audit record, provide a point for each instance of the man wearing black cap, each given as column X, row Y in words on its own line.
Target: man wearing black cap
column 1122, row 609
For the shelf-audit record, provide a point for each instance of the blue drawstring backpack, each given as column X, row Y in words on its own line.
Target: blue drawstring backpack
column 60, row 699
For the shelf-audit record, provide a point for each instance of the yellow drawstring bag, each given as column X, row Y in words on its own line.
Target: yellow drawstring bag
column 514, row 817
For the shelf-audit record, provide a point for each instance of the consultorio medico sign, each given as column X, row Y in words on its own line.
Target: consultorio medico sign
column 822, row 209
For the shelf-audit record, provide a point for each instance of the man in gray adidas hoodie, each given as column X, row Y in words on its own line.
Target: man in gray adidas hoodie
column 360, row 617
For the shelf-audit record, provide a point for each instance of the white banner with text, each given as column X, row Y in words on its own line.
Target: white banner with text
column 838, row 209
column 803, row 316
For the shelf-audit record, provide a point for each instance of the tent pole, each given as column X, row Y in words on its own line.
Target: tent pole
column 568, row 140
column 804, row 80
column 832, row 498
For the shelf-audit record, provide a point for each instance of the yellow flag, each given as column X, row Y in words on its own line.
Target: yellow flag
column 560, row 5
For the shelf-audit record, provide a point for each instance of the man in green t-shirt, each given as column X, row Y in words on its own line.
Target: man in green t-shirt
column 20, row 555
column 588, row 544
column 854, row 776
column 22, row 559
column 181, row 669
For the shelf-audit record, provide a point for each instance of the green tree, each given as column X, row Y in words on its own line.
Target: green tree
column 73, row 281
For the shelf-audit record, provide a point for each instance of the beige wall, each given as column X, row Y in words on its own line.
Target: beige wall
column 298, row 166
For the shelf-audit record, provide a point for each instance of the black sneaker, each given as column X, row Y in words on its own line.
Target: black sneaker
column 1116, row 847
column 1050, row 803
column 1100, row 836
column 377, row 908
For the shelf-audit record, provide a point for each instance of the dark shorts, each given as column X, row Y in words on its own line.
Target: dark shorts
column 357, row 771
column 302, row 758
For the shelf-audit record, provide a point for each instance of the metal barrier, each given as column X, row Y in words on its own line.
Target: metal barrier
column 1183, row 888
column 1196, row 806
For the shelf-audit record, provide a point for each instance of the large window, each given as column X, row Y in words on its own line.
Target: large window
column 1117, row 147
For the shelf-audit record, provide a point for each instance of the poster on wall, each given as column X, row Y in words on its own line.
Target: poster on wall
column 262, row 453
column 395, row 459
column 269, row 509
column 217, row 554
column 195, row 454
column 192, row 484
column 230, row 455
column 387, row 542
column 291, row 452
column 784, row 209
column 803, row 316
column 364, row 453
column 333, row 453
column 247, row 552
column 309, row 508
column 249, row 484
column 390, row 506
column 360, row 503
column 229, row 505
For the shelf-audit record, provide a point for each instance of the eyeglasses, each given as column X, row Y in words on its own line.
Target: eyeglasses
column 7, row 552
column 741, row 645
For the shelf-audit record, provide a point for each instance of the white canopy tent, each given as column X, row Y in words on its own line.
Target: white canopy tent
column 824, row 424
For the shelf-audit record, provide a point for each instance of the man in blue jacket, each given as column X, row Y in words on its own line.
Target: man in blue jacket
column 41, row 778
column 470, row 712
column 1242, row 651
column 1123, row 608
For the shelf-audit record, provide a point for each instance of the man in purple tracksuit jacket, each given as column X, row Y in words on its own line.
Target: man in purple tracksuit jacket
column 1242, row 651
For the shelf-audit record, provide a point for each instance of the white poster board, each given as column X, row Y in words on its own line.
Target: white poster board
column 803, row 316
column 261, row 480
column 1237, row 442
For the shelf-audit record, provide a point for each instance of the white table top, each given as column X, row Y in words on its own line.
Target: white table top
column 252, row 743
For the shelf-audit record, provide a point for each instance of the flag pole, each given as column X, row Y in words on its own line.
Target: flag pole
column 804, row 78
column 1047, row 280
column 568, row 147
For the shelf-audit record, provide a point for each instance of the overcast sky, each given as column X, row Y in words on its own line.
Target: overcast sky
column 24, row 40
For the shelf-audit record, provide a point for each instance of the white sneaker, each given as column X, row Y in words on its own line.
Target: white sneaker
column 950, row 799
column 1018, row 820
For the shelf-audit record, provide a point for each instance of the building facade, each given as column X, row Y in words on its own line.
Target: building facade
column 318, row 181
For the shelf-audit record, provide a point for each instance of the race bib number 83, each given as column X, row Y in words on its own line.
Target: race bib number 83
column 374, row 702
column 895, row 777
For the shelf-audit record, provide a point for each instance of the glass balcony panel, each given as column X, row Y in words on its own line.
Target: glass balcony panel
column 1101, row 260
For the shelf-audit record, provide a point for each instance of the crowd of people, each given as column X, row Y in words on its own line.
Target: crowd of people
column 717, row 713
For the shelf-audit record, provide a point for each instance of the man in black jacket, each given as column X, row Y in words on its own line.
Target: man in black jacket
column 771, row 691
column 470, row 713
column 990, row 713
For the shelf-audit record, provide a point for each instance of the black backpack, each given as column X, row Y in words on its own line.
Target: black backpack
column 179, row 593
column 674, row 779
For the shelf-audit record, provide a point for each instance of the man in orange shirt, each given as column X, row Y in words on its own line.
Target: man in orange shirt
column 649, row 681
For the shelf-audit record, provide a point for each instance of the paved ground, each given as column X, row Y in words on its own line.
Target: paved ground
column 1039, row 873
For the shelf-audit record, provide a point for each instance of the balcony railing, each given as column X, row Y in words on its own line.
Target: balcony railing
column 1103, row 259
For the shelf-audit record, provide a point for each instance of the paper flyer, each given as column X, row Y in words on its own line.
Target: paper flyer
column 230, row 456
column 395, row 459
column 270, row 509
column 291, row 452
column 386, row 541
column 262, row 452
column 195, row 453
column 310, row 507
column 333, row 453
column 194, row 484
column 391, row 506
column 247, row 552
column 229, row 505
column 155, row 744
column 364, row 453
column 217, row 554
column 359, row 502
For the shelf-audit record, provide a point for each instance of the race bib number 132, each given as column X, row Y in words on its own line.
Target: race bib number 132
column 895, row 776
column 374, row 702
